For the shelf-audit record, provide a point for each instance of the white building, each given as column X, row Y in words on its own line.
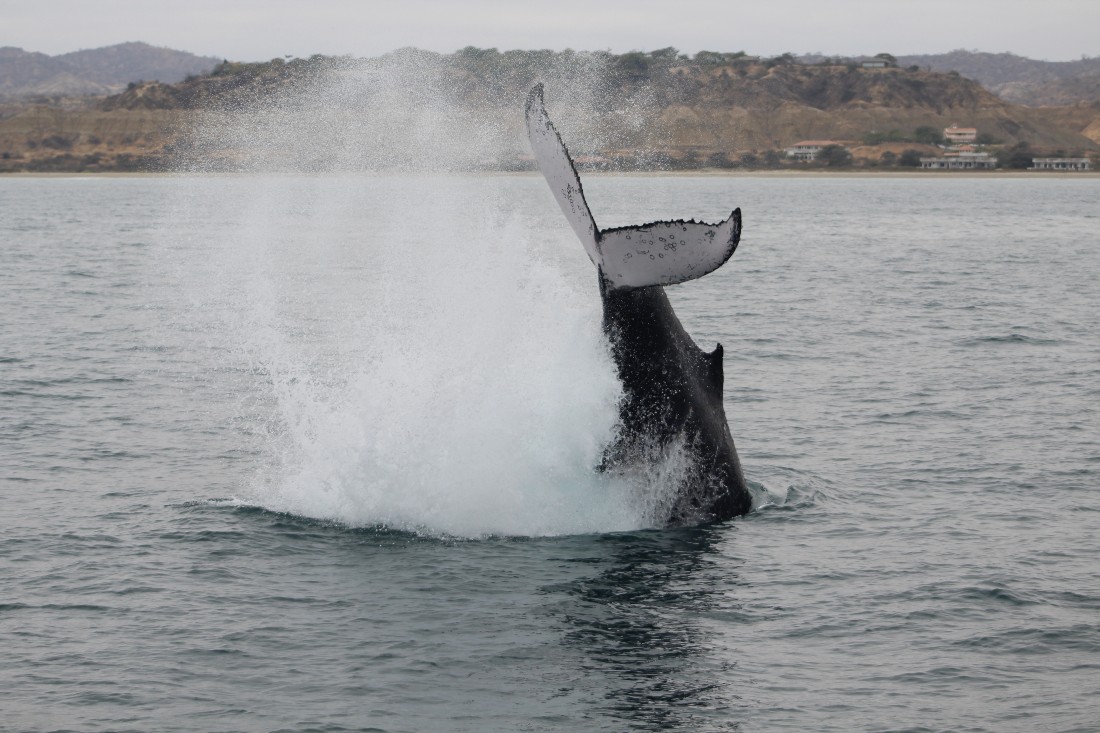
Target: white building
column 956, row 134
column 1060, row 164
column 962, row 161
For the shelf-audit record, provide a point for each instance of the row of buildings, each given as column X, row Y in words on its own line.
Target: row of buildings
column 960, row 153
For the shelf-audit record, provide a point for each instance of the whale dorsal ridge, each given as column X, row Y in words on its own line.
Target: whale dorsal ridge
column 658, row 253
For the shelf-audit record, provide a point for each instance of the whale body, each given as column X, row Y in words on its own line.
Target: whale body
column 672, row 389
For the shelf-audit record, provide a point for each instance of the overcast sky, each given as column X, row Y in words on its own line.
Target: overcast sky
column 252, row 30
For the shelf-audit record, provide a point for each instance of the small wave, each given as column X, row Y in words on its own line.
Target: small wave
column 57, row 607
column 106, row 538
column 984, row 596
column 940, row 675
column 1076, row 638
column 131, row 590
column 999, row 595
column 206, row 535
column 938, row 414
column 299, row 524
column 46, row 396
column 790, row 491
column 1010, row 339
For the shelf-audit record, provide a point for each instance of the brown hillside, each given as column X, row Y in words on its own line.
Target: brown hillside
column 662, row 109
column 759, row 108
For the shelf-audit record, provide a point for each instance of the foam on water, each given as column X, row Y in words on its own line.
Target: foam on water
column 448, row 379
column 477, row 400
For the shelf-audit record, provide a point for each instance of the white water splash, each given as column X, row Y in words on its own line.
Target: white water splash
column 426, row 351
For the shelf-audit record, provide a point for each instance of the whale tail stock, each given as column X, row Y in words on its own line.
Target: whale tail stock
column 658, row 253
column 672, row 390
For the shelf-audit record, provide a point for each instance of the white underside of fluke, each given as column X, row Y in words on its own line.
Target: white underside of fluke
column 660, row 253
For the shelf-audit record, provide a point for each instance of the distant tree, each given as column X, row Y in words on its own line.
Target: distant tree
column 783, row 59
column 690, row 160
column 719, row 160
column 889, row 158
column 709, row 57
column 669, row 53
column 985, row 138
column 1018, row 156
column 58, row 142
column 749, row 160
column 928, row 135
column 634, row 64
column 474, row 52
column 772, row 159
column 833, row 156
column 716, row 58
column 910, row 158
column 912, row 68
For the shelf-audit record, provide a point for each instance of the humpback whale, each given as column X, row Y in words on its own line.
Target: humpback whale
column 672, row 389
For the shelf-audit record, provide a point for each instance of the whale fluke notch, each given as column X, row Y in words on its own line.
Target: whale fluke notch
column 658, row 253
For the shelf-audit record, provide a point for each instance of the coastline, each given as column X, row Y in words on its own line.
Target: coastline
column 700, row 173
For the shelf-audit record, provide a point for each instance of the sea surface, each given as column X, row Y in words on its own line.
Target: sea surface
column 294, row 453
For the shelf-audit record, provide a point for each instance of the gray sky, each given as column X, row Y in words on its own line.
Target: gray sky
column 252, row 30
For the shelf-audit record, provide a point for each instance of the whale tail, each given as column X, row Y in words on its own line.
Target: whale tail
column 658, row 253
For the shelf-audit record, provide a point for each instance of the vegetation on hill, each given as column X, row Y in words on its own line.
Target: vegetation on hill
column 661, row 108
column 1021, row 80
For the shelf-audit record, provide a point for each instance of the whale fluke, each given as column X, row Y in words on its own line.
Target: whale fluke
column 672, row 389
column 658, row 253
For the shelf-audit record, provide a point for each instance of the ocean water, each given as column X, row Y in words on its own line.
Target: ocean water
column 315, row 453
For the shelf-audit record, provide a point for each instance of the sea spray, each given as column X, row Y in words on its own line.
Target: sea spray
column 419, row 355
column 413, row 111
column 475, row 399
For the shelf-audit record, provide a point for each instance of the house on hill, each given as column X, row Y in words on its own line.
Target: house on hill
column 956, row 134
